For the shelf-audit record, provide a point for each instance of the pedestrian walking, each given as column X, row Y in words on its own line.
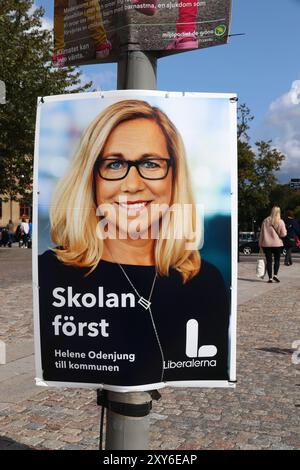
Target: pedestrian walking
column 10, row 228
column 293, row 232
column 25, row 232
column 271, row 241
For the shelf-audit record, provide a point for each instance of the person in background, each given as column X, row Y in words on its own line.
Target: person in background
column 25, row 231
column 18, row 235
column 293, row 231
column 10, row 228
column 29, row 242
column 3, row 236
column 270, row 240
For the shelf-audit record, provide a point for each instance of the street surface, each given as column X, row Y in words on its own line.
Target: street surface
column 261, row 413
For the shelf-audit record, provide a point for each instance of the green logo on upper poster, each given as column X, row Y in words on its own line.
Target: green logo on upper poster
column 220, row 30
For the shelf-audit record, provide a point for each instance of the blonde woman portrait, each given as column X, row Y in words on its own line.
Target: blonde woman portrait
column 272, row 232
column 125, row 297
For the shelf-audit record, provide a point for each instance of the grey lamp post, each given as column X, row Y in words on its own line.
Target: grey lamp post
column 128, row 420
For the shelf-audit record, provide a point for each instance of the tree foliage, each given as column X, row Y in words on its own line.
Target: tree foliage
column 25, row 67
column 256, row 167
column 286, row 198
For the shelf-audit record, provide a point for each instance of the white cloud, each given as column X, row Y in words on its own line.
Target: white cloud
column 289, row 99
column 104, row 80
column 47, row 23
column 283, row 122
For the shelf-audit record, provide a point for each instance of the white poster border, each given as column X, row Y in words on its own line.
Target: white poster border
column 233, row 318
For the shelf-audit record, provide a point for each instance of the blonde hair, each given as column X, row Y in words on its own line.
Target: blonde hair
column 73, row 211
column 275, row 216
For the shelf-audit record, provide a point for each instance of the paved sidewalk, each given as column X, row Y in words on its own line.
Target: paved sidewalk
column 261, row 413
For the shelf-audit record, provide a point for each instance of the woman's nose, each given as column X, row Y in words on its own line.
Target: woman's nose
column 133, row 181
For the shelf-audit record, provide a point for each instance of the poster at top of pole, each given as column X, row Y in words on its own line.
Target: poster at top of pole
column 93, row 31
column 134, row 255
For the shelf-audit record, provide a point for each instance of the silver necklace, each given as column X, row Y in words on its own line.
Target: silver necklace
column 142, row 301
column 147, row 306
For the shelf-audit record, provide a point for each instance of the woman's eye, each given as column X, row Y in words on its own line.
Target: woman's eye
column 149, row 164
column 116, row 165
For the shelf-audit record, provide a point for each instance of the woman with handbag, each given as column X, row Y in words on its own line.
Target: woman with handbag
column 270, row 240
column 293, row 232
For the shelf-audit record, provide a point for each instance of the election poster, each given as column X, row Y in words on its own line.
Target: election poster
column 134, row 255
column 91, row 31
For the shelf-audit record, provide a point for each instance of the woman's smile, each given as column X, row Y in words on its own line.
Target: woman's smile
column 133, row 207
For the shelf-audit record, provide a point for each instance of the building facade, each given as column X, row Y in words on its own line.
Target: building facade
column 13, row 210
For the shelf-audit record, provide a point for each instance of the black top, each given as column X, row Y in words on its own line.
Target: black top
column 119, row 343
column 292, row 227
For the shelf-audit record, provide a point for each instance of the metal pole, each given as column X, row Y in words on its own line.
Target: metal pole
column 136, row 70
column 128, row 432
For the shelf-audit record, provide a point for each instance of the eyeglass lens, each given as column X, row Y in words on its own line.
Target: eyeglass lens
column 154, row 168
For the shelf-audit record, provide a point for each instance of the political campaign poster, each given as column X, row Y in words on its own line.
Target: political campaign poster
column 134, row 253
column 91, row 31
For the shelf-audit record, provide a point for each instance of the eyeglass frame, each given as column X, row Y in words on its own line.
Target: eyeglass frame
column 136, row 164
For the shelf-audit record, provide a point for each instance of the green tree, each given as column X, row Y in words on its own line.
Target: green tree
column 285, row 197
column 294, row 200
column 297, row 213
column 25, row 68
column 281, row 196
column 256, row 167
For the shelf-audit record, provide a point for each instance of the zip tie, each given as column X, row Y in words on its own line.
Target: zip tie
column 236, row 34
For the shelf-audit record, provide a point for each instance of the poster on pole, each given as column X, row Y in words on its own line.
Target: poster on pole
column 91, row 31
column 134, row 254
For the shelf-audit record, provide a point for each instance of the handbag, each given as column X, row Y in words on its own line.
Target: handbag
column 260, row 266
column 297, row 241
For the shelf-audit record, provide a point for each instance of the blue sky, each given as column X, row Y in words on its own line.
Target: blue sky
column 262, row 67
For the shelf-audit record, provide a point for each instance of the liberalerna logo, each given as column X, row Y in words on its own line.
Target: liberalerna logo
column 192, row 348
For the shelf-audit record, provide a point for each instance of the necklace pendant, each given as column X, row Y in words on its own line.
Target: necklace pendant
column 144, row 303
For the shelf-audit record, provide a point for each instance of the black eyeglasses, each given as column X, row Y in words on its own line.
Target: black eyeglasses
column 150, row 168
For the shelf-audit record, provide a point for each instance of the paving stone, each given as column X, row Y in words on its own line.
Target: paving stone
column 35, row 426
column 52, row 444
column 32, row 441
column 71, row 439
column 73, row 447
column 71, row 432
